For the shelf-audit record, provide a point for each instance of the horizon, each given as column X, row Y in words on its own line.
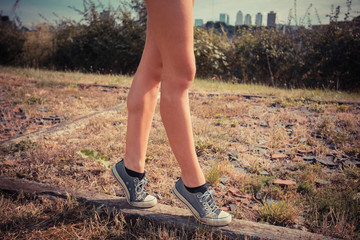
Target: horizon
column 33, row 12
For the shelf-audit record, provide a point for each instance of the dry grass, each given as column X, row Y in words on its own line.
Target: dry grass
column 235, row 138
column 25, row 217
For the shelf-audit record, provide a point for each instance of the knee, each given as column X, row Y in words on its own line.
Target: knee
column 181, row 77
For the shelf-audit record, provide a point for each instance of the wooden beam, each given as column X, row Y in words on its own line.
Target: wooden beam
column 160, row 214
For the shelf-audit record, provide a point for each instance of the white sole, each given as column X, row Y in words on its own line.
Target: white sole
column 207, row 221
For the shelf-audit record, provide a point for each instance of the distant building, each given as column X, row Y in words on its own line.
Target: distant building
column 199, row 22
column 248, row 20
column 224, row 17
column 271, row 19
column 239, row 18
column 258, row 20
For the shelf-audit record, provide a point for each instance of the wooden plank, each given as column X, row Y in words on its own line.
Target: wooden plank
column 160, row 214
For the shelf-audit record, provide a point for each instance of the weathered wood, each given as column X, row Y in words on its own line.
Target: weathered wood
column 160, row 214
column 249, row 96
column 61, row 128
column 85, row 85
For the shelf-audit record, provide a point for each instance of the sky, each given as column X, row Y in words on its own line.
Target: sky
column 209, row 10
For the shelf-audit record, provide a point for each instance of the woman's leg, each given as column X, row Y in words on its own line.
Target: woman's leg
column 172, row 27
column 141, row 104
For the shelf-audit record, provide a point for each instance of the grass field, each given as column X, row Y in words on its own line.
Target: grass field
column 284, row 159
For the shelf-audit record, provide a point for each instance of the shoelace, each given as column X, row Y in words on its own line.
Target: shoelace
column 207, row 199
column 140, row 194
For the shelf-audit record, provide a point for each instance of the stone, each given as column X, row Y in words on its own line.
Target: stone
column 263, row 123
column 302, row 151
column 279, row 156
column 297, row 159
column 232, row 207
column 322, row 182
column 259, row 150
column 259, row 196
column 326, row 162
column 271, row 110
column 42, row 109
column 282, row 182
column 352, row 162
column 309, row 158
column 241, row 170
column 264, row 173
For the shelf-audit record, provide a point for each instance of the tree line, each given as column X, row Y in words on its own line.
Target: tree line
column 109, row 40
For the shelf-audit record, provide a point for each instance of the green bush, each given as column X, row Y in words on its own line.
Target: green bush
column 111, row 40
column 11, row 43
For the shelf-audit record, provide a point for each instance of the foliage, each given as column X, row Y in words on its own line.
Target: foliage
column 92, row 154
column 109, row 40
column 279, row 213
column 11, row 42
column 210, row 53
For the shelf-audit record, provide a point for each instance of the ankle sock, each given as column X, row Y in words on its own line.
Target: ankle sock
column 135, row 174
column 202, row 189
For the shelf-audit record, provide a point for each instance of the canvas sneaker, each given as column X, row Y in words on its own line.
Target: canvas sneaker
column 202, row 205
column 133, row 187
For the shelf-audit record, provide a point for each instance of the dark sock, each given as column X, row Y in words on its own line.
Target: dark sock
column 202, row 189
column 135, row 174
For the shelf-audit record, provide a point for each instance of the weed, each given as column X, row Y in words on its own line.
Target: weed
column 22, row 146
column 102, row 159
column 36, row 100
column 305, row 188
column 219, row 119
column 342, row 108
column 286, row 102
column 325, row 128
column 254, row 167
column 215, row 172
column 233, row 124
column 317, row 108
column 278, row 136
column 203, row 147
column 281, row 213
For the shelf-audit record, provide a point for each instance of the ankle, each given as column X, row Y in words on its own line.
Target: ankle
column 134, row 165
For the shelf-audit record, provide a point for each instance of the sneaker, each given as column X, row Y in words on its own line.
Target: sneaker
column 202, row 206
column 133, row 186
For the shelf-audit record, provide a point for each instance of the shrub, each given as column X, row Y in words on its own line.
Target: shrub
column 281, row 213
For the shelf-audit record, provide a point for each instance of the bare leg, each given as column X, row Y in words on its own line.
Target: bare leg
column 172, row 28
column 141, row 104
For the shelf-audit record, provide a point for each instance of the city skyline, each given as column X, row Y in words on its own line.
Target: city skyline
column 29, row 11
column 209, row 10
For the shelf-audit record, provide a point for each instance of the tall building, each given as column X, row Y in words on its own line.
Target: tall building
column 199, row 22
column 271, row 19
column 258, row 20
column 248, row 20
column 239, row 18
column 224, row 17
